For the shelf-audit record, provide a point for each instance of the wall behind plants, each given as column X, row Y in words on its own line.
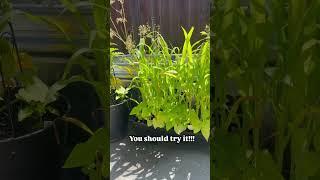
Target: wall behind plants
column 170, row 15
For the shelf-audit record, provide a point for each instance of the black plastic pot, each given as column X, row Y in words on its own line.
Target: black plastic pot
column 119, row 118
column 34, row 156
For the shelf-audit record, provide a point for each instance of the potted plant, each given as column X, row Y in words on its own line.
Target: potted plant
column 29, row 147
column 33, row 144
column 121, row 93
column 175, row 93
column 121, row 100
column 119, row 103
column 29, row 139
column 150, row 59
column 93, row 155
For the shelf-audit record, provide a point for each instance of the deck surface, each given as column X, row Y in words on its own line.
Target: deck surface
column 159, row 161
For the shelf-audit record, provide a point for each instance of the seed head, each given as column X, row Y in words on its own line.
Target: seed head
column 129, row 43
column 144, row 30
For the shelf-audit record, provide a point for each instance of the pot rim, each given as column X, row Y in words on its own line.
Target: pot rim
column 27, row 135
column 122, row 102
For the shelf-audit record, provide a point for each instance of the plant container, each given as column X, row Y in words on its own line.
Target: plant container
column 34, row 156
column 119, row 118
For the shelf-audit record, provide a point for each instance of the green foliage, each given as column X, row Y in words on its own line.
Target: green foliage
column 4, row 7
column 9, row 64
column 92, row 156
column 38, row 96
column 117, row 86
column 38, row 99
column 122, row 93
column 94, row 68
column 175, row 94
column 8, row 61
column 270, row 53
column 115, row 81
column 93, row 60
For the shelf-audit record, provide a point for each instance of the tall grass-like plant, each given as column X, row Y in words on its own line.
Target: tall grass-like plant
column 93, row 155
column 175, row 93
column 268, row 50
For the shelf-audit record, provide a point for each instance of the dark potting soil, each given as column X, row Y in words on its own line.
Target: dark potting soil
column 11, row 128
column 20, row 128
column 7, row 132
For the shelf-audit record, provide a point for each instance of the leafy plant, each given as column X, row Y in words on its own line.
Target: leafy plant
column 38, row 96
column 175, row 93
column 95, row 162
column 119, row 37
column 115, row 81
column 94, row 62
column 118, row 90
column 268, row 51
column 18, row 72
column 38, row 101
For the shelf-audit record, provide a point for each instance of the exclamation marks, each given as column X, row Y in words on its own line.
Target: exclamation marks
column 188, row 138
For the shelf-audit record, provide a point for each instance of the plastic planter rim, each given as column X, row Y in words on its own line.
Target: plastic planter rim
column 26, row 135
column 118, row 104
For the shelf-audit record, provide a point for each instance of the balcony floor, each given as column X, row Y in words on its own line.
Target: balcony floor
column 159, row 161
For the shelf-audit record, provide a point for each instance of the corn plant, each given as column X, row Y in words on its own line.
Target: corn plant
column 93, row 60
column 175, row 93
column 268, row 51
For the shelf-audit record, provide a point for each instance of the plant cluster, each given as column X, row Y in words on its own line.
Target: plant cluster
column 26, row 101
column 23, row 95
column 37, row 98
column 38, row 101
column 174, row 84
column 93, row 155
column 269, row 52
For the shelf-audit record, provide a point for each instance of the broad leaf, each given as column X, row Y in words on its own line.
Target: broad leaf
column 84, row 153
column 36, row 92
column 25, row 113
